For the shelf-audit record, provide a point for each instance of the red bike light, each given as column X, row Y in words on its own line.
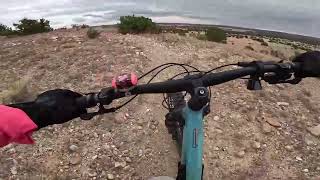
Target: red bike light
column 125, row 81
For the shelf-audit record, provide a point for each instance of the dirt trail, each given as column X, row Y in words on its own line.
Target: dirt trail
column 249, row 135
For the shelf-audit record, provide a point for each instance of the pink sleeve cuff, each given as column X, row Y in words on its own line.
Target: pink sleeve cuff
column 15, row 126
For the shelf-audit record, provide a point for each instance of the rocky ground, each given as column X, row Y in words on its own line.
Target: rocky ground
column 270, row 134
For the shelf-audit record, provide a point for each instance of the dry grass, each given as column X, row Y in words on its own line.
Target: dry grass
column 17, row 92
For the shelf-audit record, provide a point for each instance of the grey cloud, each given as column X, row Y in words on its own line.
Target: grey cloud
column 286, row 15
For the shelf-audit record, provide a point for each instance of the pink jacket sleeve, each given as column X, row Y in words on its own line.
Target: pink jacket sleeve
column 15, row 126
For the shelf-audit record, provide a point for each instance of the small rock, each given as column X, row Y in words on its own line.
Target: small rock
column 264, row 145
column 92, row 174
column 120, row 164
column 306, row 170
column 289, row 147
column 75, row 160
column 126, row 168
column 94, row 157
column 125, row 151
column 216, row 118
column 54, row 38
column 110, row 176
column 240, row 154
column 216, row 148
column 252, row 116
column 266, row 128
column 123, row 164
column 256, row 145
column 315, row 130
column 219, row 131
column 222, row 60
column 140, row 152
column 128, row 159
column 308, row 141
column 140, row 121
column 140, row 127
column 298, row 158
column 73, row 148
column 14, row 170
column 95, row 135
column 283, row 104
column 318, row 169
column 117, row 164
column 273, row 122
column 148, row 151
column 120, row 118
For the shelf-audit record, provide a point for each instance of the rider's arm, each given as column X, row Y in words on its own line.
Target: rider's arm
column 18, row 121
column 15, row 126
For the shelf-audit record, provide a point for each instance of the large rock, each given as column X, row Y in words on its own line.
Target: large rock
column 315, row 130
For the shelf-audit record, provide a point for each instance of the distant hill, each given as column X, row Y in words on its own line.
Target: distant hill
column 246, row 31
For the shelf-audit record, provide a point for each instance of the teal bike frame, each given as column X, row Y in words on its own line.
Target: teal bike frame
column 192, row 144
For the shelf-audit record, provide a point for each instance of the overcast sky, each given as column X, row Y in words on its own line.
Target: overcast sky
column 295, row 16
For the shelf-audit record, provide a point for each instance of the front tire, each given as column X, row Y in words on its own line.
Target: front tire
column 174, row 120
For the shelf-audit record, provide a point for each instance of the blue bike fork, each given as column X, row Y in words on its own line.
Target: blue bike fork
column 192, row 144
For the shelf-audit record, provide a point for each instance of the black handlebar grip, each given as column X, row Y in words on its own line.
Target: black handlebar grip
column 87, row 101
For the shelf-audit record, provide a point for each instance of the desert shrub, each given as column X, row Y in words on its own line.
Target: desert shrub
column 74, row 26
column 264, row 44
column 5, row 30
column 249, row 48
column 277, row 54
column 31, row 26
column 78, row 26
column 201, row 37
column 137, row 24
column 181, row 32
column 92, row 33
column 83, row 26
column 216, row 35
column 258, row 39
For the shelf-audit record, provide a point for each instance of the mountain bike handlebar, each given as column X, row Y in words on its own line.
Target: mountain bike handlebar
column 257, row 69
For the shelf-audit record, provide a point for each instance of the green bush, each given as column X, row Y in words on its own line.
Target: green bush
column 137, row 24
column 92, row 33
column 31, row 26
column 5, row 30
column 216, row 35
